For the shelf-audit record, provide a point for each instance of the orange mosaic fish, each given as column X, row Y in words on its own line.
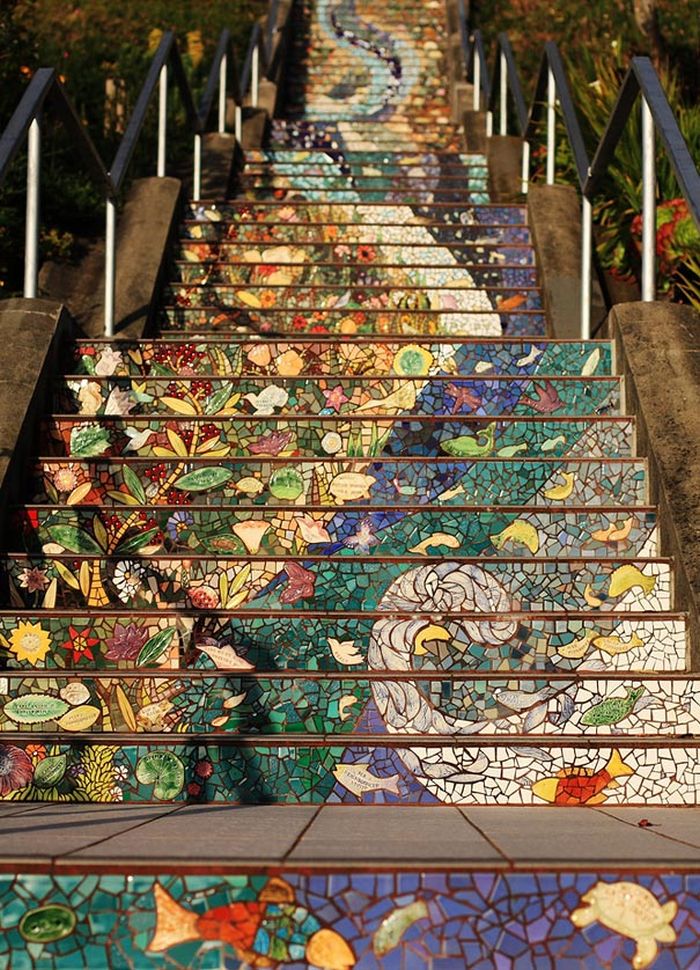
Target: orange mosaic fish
column 582, row 786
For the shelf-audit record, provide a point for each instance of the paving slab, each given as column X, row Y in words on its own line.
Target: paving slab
column 54, row 830
column 207, row 835
column 393, row 835
column 680, row 824
column 577, row 838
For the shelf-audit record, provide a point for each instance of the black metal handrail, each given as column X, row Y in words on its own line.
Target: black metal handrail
column 552, row 91
column 45, row 90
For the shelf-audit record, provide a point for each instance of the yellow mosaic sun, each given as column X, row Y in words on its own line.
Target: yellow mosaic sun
column 30, row 642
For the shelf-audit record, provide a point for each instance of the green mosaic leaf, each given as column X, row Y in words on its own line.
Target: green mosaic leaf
column 50, row 771
column 204, row 479
column 134, row 543
column 154, row 647
column 89, row 442
column 164, row 771
column 133, row 483
column 35, row 708
column 74, row 540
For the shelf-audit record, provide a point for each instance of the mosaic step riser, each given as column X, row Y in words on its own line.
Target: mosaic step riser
column 331, row 179
column 368, row 140
column 466, row 917
column 362, row 322
column 551, row 643
column 311, row 358
column 366, row 396
column 256, row 483
column 340, row 437
column 402, row 159
column 365, row 274
column 445, row 707
column 387, row 256
column 387, row 196
column 301, row 231
column 437, row 532
column 325, row 167
column 80, row 581
column 465, row 297
column 366, row 214
column 383, row 772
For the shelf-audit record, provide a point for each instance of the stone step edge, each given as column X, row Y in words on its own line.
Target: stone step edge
column 354, row 560
column 233, row 379
column 646, row 509
column 643, row 616
column 351, row 340
column 379, row 675
column 342, row 418
column 301, row 740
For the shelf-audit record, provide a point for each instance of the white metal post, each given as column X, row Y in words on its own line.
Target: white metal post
column 110, row 264
column 197, row 166
column 255, row 77
column 551, row 125
column 31, row 225
column 525, row 176
column 162, row 119
column 586, row 265
column 238, row 124
column 648, row 205
column 223, row 71
column 489, row 123
column 476, row 97
column 503, row 78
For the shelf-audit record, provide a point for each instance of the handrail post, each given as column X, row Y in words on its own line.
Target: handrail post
column 31, row 228
column 648, row 205
column 162, row 119
column 476, row 97
column 110, row 264
column 255, row 76
column 223, row 71
column 503, row 83
column 551, row 125
column 525, row 175
column 586, row 265
column 197, row 178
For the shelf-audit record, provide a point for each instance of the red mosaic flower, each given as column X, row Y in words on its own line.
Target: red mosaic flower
column 80, row 644
column 16, row 769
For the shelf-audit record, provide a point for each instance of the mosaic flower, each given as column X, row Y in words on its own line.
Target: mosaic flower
column 178, row 523
column 34, row 580
column 300, row 584
column 364, row 538
column 80, row 643
column 16, row 769
column 30, row 642
column 413, row 361
column 128, row 579
column 126, row 642
column 108, row 362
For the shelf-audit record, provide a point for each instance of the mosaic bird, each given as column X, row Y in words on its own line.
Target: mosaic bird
column 547, row 399
column 269, row 931
column 581, row 786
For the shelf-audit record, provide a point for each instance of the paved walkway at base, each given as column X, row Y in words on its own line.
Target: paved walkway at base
column 226, row 838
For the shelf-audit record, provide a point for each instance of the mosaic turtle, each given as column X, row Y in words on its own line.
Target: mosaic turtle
column 632, row 911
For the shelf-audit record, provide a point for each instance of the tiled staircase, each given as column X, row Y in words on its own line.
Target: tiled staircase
column 350, row 530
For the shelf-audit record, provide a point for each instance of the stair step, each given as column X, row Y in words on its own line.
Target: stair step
column 325, row 322
column 381, row 531
column 399, row 196
column 373, row 271
column 467, row 257
column 214, row 704
column 374, row 770
column 367, row 213
column 399, row 160
column 310, row 357
column 354, row 482
column 308, row 640
column 335, row 583
column 338, row 437
column 324, row 177
column 318, row 165
column 367, row 396
column 419, row 232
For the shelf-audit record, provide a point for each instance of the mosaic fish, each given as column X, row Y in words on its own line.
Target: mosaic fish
column 613, row 709
column 628, row 577
column 393, row 926
column 559, row 492
column 358, row 779
column 632, row 911
column 581, row 786
column 469, row 446
column 267, row 932
column 616, row 645
column 519, row 532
